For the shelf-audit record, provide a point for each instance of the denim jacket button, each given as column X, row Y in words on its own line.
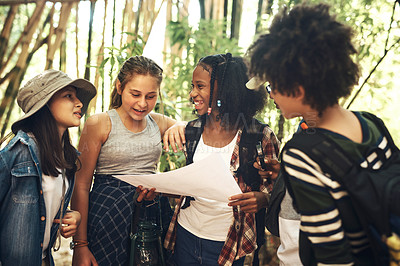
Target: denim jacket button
column 41, row 192
column 41, row 245
column 42, row 218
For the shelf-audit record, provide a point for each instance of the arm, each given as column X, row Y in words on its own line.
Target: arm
column 172, row 131
column 94, row 134
column 321, row 222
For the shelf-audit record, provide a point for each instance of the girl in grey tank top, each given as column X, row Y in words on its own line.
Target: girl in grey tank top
column 125, row 152
column 125, row 140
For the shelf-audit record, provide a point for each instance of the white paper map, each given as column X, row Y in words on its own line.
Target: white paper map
column 209, row 178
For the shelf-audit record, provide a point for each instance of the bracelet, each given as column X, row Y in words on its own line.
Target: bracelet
column 78, row 244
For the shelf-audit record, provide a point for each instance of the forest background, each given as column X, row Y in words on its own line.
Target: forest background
column 92, row 38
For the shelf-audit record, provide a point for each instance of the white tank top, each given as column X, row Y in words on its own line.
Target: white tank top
column 209, row 219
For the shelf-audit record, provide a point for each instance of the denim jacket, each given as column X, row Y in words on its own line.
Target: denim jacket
column 22, row 208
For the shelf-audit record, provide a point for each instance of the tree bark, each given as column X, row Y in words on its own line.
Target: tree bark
column 59, row 33
column 87, row 67
column 5, row 32
column 18, row 2
column 26, row 39
column 77, row 39
column 100, row 72
column 237, row 6
column 26, row 35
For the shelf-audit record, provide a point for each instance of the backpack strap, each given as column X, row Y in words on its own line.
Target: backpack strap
column 193, row 132
column 382, row 128
column 252, row 134
column 334, row 160
column 323, row 150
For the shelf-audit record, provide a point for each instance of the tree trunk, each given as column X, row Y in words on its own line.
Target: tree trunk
column 17, row 75
column 202, row 9
column 237, row 6
column 9, row 97
column 100, row 72
column 59, row 32
column 138, row 14
column 124, row 14
column 26, row 39
column 5, row 32
column 77, row 39
column 26, row 35
column 259, row 14
column 63, row 56
column 88, row 59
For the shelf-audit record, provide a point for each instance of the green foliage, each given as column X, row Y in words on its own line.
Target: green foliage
column 115, row 55
column 193, row 43
column 170, row 161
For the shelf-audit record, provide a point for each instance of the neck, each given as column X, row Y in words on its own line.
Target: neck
column 329, row 115
column 213, row 124
column 131, row 124
column 61, row 133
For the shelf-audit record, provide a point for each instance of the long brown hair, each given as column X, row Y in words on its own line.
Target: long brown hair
column 54, row 154
column 135, row 65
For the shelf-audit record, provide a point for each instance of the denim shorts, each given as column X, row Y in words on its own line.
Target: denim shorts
column 192, row 250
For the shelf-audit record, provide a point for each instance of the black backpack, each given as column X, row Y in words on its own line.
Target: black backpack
column 252, row 134
column 375, row 193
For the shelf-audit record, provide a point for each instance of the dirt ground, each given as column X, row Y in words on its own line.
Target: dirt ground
column 267, row 255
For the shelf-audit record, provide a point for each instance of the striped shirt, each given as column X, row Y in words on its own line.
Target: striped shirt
column 330, row 232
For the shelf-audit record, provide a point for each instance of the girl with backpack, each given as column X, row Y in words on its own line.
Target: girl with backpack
column 37, row 169
column 204, row 231
column 307, row 58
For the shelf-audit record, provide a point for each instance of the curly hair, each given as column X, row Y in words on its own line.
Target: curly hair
column 135, row 65
column 307, row 46
column 237, row 103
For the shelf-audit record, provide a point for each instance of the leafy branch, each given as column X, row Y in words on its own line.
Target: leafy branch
column 386, row 51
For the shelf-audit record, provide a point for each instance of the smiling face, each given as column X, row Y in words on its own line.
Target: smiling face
column 66, row 108
column 200, row 92
column 139, row 96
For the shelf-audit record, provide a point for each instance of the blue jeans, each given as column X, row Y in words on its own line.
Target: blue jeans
column 192, row 250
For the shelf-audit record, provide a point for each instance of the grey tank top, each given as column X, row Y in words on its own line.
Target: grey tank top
column 125, row 152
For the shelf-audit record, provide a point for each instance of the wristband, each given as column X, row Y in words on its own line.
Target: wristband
column 78, row 244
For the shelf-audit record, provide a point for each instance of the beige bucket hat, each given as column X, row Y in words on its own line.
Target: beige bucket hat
column 39, row 90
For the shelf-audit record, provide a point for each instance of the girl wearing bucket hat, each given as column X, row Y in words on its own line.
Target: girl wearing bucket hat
column 124, row 140
column 37, row 169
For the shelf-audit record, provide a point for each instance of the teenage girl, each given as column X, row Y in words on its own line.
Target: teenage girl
column 124, row 140
column 37, row 169
column 204, row 231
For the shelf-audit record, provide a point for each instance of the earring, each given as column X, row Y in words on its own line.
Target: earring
column 219, row 103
